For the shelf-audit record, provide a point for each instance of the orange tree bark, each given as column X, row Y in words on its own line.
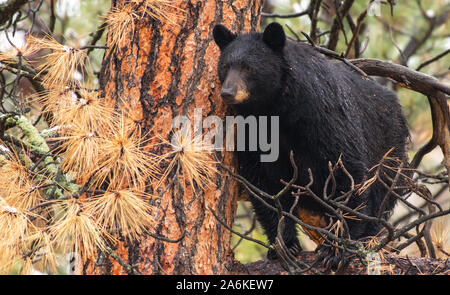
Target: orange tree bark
column 162, row 71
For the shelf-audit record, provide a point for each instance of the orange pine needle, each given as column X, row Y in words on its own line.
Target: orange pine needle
column 41, row 246
column 6, row 57
column 76, row 231
column 18, row 186
column 120, row 21
column 25, row 50
column 85, row 108
column 81, row 149
column 162, row 10
column 60, row 64
column 7, row 259
column 14, row 173
column 194, row 157
column 25, row 197
column 440, row 235
column 123, row 160
column 14, row 225
column 125, row 212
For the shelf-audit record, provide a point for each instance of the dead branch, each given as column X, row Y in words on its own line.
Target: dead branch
column 336, row 233
column 289, row 15
column 415, row 43
column 313, row 15
column 341, row 12
column 436, row 93
column 409, row 78
column 8, row 9
column 437, row 57
column 357, row 28
column 389, row 264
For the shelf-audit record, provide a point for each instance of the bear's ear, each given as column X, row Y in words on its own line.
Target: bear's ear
column 222, row 36
column 274, row 36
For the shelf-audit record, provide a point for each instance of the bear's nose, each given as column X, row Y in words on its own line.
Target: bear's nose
column 228, row 94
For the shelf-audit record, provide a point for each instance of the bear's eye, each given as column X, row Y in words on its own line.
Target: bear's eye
column 247, row 68
column 226, row 68
column 222, row 74
column 223, row 70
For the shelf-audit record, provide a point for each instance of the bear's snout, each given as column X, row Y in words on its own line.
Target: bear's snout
column 234, row 89
column 228, row 94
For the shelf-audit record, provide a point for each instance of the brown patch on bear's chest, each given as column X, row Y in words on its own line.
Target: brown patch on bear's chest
column 314, row 219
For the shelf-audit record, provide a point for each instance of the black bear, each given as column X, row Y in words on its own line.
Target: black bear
column 326, row 110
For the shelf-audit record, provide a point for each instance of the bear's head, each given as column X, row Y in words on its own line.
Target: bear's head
column 251, row 66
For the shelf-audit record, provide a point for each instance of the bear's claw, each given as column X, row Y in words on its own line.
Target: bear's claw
column 295, row 249
column 332, row 258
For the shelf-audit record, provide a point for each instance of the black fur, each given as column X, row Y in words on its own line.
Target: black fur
column 326, row 109
column 222, row 36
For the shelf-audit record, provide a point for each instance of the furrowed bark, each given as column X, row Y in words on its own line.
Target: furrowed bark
column 165, row 70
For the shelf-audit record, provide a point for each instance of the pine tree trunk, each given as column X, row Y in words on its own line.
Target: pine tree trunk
column 162, row 71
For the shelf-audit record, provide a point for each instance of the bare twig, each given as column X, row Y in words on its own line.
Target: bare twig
column 289, row 15
column 430, row 61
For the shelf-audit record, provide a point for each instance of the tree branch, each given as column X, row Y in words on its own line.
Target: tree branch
column 8, row 9
column 380, row 264
column 426, row 85
column 437, row 57
column 337, row 23
column 415, row 43
column 289, row 15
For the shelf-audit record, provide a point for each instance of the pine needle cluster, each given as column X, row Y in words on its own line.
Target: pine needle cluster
column 96, row 146
column 17, row 236
column 121, row 21
column 195, row 159
column 104, row 161
column 125, row 212
column 162, row 10
column 60, row 64
column 76, row 231
column 123, row 160
column 440, row 235
column 19, row 186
